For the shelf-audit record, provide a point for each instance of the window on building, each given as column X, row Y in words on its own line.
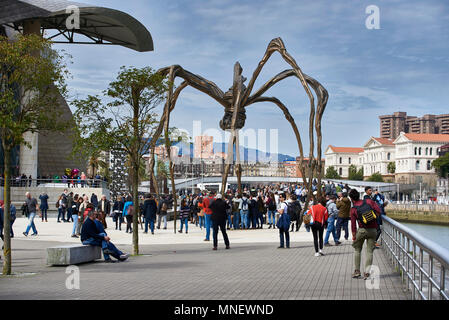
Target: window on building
column 419, row 151
column 416, row 151
column 340, row 171
column 430, row 151
column 427, row 151
column 388, row 156
column 341, row 160
column 349, row 160
column 429, row 165
column 417, row 164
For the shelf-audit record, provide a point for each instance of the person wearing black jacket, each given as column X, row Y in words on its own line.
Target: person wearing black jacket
column 117, row 210
column 218, row 217
column 149, row 212
column 90, row 236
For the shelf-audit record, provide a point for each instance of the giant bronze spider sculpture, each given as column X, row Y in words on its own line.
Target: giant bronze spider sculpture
column 237, row 99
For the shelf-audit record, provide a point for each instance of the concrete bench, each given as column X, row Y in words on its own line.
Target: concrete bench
column 72, row 254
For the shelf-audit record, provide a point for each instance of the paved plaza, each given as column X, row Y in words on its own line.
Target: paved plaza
column 187, row 268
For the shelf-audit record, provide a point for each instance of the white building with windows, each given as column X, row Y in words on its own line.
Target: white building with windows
column 414, row 155
column 341, row 158
column 378, row 153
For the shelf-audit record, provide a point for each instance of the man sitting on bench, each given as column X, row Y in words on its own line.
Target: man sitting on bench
column 91, row 235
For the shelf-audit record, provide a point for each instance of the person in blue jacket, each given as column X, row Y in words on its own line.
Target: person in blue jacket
column 128, row 211
column 283, row 222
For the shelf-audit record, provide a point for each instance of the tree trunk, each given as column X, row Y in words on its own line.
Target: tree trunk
column 135, row 189
column 152, row 176
column 7, row 214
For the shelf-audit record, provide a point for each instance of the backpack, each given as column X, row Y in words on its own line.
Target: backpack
column 308, row 217
column 293, row 209
column 164, row 206
column 245, row 205
column 57, row 204
column 365, row 214
column 130, row 210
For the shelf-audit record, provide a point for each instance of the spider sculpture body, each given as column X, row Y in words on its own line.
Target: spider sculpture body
column 238, row 98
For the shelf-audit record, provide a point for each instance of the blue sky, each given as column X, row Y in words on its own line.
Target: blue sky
column 403, row 66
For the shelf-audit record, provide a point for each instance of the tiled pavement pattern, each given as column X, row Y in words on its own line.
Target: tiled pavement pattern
column 194, row 271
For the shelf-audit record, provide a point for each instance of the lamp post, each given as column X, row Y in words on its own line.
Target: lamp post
column 420, row 193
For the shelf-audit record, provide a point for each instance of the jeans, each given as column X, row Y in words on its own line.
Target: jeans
column 236, row 222
column 330, row 229
column 317, row 231
column 75, row 223
column 31, row 223
column 208, row 225
column 60, row 214
column 129, row 223
column 162, row 217
column 201, row 221
column 69, row 214
column 186, row 222
column 272, row 218
column 104, row 245
column 342, row 222
column 244, row 216
column 44, row 214
column 118, row 222
column 370, row 236
column 283, row 231
column 229, row 221
column 151, row 223
column 222, row 226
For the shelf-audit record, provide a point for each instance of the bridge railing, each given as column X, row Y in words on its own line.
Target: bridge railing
column 422, row 263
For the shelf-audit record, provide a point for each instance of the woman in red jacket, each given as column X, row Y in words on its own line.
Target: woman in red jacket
column 319, row 216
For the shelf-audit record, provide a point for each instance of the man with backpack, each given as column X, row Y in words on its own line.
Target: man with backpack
column 364, row 215
column 283, row 223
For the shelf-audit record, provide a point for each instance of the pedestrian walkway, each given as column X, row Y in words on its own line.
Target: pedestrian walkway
column 194, row 271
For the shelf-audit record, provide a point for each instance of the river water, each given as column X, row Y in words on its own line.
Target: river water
column 438, row 234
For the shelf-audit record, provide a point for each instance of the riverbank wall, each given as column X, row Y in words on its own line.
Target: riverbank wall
column 435, row 214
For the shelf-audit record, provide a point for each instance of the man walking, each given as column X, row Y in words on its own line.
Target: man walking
column 32, row 206
column 218, row 217
column 149, row 212
column 343, row 206
column 363, row 213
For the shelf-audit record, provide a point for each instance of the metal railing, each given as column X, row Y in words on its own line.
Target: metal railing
column 422, row 263
column 69, row 183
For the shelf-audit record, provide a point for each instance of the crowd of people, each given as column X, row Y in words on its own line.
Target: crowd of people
column 278, row 206
column 73, row 181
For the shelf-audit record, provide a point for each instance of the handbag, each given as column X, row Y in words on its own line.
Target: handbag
column 308, row 217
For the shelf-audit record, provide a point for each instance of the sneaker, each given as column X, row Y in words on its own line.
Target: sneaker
column 109, row 261
column 34, row 234
column 280, row 247
column 124, row 257
column 356, row 274
column 206, row 240
column 337, row 243
column 74, row 236
column 317, row 254
column 321, row 252
column 214, row 248
column 327, row 245
column 366, row 276
column 228, row 247
column 25, row 234
column 180, row 231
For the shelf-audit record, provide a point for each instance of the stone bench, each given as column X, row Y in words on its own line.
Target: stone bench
column 72, row 254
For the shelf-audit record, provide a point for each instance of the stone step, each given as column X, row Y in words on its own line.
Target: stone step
column 72, row 254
